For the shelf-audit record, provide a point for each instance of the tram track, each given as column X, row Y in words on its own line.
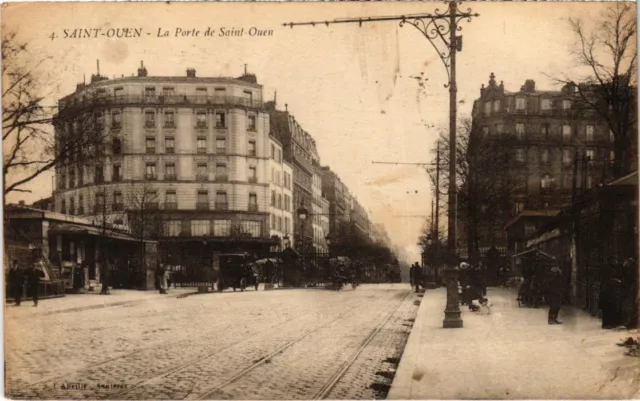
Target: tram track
column 245, row 339
column 333, row 380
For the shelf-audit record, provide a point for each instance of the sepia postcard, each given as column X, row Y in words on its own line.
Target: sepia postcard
column 320, row 200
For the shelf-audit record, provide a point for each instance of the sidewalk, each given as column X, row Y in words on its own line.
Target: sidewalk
column 87, row 301
column 513, row 353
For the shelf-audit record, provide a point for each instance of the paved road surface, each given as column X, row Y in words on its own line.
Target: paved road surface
column 291, row 344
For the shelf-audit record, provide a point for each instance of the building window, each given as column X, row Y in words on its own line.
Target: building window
column 519, row 207
column 566, row 156
column 273, row 198
column 499, row 128
column 279, row 223
column 221, row 228
column 99, row 175
column 72, row 205
column 221, row 201
column 544, row 155
column 279, row 156
column 566, row 132
column 117, row 173
column 220, row 92
column 81, row 204
column 279, row 201
column 221, row 172
column 200, row 228
column 168, row 91
column 520, row 155
column 546, row 181
column 252, row 148
column 151, row 199
column 150, row 144
column 612, row 137
column 202, row 200
column 201, row 93
column 169, row 119
column 566, row 104
column 221, row 145
column 254, row 228
column 273, row 221
column 287, row 201
column 221, row 119
column 172, row 228
column 253, row 174
column 520, row 130
column 116, row 146
column 485, row 132
column 273, row 152
column 116, row 119
column 567, row 181
column 99, row 206
column 150, row 92
column 544, row 129
column 589, row 181
column 170, row 200
column 201, row 119
column 487, row 108
column 201, row 172
column 545, row 104
column 202, row 144
column 496, row 106
column 253, row 202
column 251, row 123
column 150, row 172
column 589, row 133
column 612, row 155
column 169, row 144
column 149, row 119
column 520, row 103
column 170, row 171
column 589, row 154
column 117, row 201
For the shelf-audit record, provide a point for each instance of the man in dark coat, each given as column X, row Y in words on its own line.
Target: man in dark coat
column 160, row 275
column 611, row 292
column 16, row 281
column 556, row 289
column 105, row 276
column 415, row 275
column 34, row 274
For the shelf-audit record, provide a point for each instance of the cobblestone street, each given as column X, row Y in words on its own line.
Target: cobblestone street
column 291, row 344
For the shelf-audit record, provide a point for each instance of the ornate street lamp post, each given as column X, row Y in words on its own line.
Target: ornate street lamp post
column 436, row 27
column 302, row 216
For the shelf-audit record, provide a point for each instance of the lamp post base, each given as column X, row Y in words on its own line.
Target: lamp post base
column 452, row 319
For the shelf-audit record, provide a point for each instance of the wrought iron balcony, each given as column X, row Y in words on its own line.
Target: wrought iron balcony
column 201, row 125
column 222, row 206
column 222, row 178
column 170, row 206
column 253, row 207
column 202, row 177
column 166, row 99
column 253, row 180
column 170, row 177
column 117, row 207
column 202, row 206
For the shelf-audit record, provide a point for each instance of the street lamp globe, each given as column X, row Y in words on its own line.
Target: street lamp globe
column 286, row 240
column 302, row 212
column 328, row 239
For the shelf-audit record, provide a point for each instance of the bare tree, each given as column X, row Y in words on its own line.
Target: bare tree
column 608, row 53
column 29, row 145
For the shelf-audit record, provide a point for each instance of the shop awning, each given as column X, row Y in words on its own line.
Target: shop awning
column 77, row 229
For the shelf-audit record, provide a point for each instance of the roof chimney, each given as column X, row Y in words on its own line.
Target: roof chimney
column 191, row 73
column 142, row 71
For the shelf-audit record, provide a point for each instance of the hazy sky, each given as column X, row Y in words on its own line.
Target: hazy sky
column 349, row 87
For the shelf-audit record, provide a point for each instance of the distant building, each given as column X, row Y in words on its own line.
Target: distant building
column 339, row 199
column 281, row 195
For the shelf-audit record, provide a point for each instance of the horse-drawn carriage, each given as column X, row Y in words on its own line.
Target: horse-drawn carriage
column 343, row 272
column 237, row 271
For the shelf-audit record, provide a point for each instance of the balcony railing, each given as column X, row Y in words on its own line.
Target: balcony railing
column 222, row 206
column 116, row 178
column 222, row 178
column 150, row 150
column 221, row 126
column 201, row 125
column 98, row 208
column 151, row 205
column 117, row 207
column 253, row 207
column 170, row 150
column 202, row 206
column 166, row 99
column 170, row 206
column 150, row 124
column 150, row 177
column 202, row 177
column 253, row 180
column 202, row 151
column 170, row 177
column 169, row 124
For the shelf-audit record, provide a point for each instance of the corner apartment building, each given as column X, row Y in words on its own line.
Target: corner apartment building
column 550, row 130
column 359, row 217
column 192, row 151
column 281, row 195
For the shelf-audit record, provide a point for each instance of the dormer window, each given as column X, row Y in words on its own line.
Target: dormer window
column 545, row 104
column 520, row 103
column 566, row 104
column 487, row 108
column 496, row 106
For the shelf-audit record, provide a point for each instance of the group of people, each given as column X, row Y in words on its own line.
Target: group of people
column 618, row 294
column 17, row 277
column 473, row 283
column 415, row 276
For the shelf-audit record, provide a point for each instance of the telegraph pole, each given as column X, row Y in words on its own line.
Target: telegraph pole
column 437, row 215
column 435, row 27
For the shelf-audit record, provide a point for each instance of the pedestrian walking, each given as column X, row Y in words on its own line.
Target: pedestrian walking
column 16, row 281
column 555, row 294
column 415, row 275
column 161, row 278
column 105, row 277
column 34, row 273
column 611, row 294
